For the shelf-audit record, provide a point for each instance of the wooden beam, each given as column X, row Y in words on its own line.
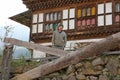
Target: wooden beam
column 52, row 51
column 91, row 50
column 6, row 62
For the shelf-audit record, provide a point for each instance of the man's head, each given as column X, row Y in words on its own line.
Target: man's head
column 60, row 27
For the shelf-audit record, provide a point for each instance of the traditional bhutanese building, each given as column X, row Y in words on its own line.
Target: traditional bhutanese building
column 82, row 19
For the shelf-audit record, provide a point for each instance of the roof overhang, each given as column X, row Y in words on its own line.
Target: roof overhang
column 23, row 18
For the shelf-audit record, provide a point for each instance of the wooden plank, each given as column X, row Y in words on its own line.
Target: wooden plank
column 91, row 50
column 52, row 51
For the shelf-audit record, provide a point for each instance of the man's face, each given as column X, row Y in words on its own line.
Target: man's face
column 60, row 28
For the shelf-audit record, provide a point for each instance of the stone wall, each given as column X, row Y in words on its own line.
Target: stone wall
column 106, row 67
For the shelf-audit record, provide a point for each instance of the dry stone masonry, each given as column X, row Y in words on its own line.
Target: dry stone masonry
column 106, row 67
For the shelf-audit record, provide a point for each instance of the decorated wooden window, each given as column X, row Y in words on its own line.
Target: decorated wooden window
column 84, row 17
column 37, row 23
column 69, row 19
column 52, row 20
column 105, row 14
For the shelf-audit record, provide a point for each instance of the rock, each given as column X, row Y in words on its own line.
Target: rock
column 72, row 78
column 64, row 77
column 46, row 79
column 54, row 78
column 88, row 65
column 118, row 71
column 103, row 77
column 98, row 68
column 54, row 74
column 79, row 65
column 97, row 61
column 80, row 77
column 93, row 78
column 91, row 72
column 71, row 69
column 113, row 65
column 59, row 78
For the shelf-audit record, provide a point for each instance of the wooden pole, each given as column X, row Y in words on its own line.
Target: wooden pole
column 91, row 50
column 6, row 61
column 52, row 51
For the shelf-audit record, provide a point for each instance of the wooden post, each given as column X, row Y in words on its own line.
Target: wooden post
column 6, row 61
column 91, row 50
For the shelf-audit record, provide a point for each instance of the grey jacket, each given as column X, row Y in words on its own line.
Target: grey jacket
column 59, row 38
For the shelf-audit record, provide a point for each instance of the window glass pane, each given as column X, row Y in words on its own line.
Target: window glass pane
column 93, row 21
column 40, row 28
column 59, row 15
column 34, row 28
column 55, row 16
column 84, row 12
column 117, row 18
column 83, row 23
column 72, row 13
column 41, row 17
column 108, row 7
column 65, row 23
column 88, row 11
column 72, row 24
column 100, row 20
column 79, row 23
column 100, row 8
column 47, row 27
column 55, row 26
column 93, row 11
column 109, row 19
column 47, row 17
column 88, row 22
column 117, row 7
column 79, row 13
column 51, row 27
column 35, row 18
column 51, row 16
column 65, row 14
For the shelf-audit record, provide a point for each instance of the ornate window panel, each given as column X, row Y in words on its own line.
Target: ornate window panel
column 35, row 16
column 105, row 17
column 34, row 28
